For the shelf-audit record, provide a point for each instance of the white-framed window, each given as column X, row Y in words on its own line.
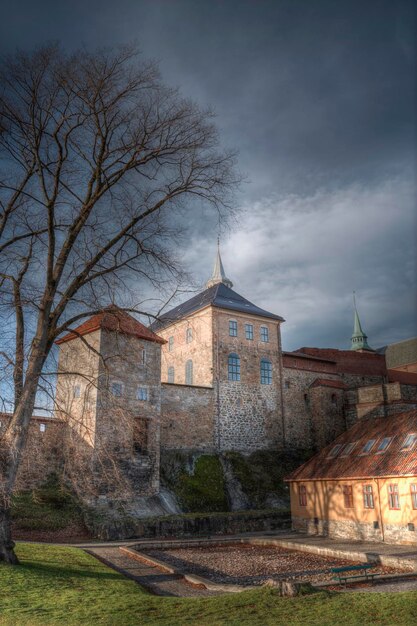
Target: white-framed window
column 409, row 441
column 368, row 446
column 368, row 497
column 42, row 428
column 142, row 393
column 170, row 344
column 189, row 372
column 385, row 442
column 413, row 489
column 143, row 356
column 77, row 391
column 116, row 389
column 249, row 331
column 266, row 372
column 264, row 334
column 393, row 497
column 171, row 374
column 233, row 367
column 232, row 328
column 189, row 335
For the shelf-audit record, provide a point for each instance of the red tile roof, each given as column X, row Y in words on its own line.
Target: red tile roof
column 324, row 382
column 398, row 376
column 392, row 462
column 113, row 319
column 351, row 362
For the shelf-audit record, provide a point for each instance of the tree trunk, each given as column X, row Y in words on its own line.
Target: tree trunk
column 7, row 545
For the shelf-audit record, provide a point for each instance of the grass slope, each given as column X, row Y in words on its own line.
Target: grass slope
column 57, row 585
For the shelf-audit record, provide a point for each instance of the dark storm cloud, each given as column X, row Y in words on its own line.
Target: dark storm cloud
column 319, row 99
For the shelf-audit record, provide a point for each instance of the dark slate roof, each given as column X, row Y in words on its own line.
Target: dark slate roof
column 218, row 295
column 395, row 461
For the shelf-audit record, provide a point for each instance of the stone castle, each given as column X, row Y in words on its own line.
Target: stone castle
column 210, row 376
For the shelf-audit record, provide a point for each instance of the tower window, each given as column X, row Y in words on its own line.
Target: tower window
column 266, row 372
column 170, row 344
column 171, row 374
column 264, row 334
column 232, row 328
column 117, row 389
column 234, row 367
column 249, row 331
column 142, row 393
column 189, row 335
column 189, row 372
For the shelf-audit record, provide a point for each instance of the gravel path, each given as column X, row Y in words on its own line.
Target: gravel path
column 245, row 564
column 152, row 578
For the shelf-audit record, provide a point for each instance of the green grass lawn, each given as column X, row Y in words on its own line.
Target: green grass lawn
column 58, row 585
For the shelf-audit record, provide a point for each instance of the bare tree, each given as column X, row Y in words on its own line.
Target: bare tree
column 97, row 159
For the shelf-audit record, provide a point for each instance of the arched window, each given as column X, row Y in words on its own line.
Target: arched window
column 171, row 374
column 234, row 367
column 189, row 372
column 189, row 335
column 266, row 372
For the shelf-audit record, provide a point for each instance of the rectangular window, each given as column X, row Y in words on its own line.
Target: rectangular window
column 414, row 496
column 189, row 335
column 42, row 427
column 232, row 328
column 171, row 374
column 77, row 391
column 409, row 441
column 368, row 497
column 335, row 451
column 368, row 446
column 393, row 497
column 287, row 384
column 384, row 444
column 348, row 496
column 266, row 372
column 264, row 334
column 117, row 389
column 233, row 367
column 170, row 344
column 142, row 393
column 249, row 331
column 144, row 357
column 302, row 495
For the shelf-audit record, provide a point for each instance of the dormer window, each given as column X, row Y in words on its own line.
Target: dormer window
column 384, row 444
column 368, row 446
column 409, row 441
column 335, row 451
column 348, row 449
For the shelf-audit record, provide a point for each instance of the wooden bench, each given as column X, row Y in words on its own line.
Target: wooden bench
column 362, row 569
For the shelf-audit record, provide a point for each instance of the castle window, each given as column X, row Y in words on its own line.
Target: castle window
column 42, row 428
column 77, row 391
column 414, row 495
column 409, row 441
column 234, row 367
column 334, row 398
column 144, row 357
column 171, row 374
column 170, row 344
column 117, row 390
column 142, row 393
column 287, row 384
column 302, row 495
column 266, row 372
column 189, row 335
column 264, row 334
column 306, row 400
column 368, row 497
column 189, row 372
column 393, row 497
column 232, row 328
column 249, row 331
column 348, row 496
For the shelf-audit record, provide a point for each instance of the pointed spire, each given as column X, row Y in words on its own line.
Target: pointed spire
column 359, row 340
column 218, row 275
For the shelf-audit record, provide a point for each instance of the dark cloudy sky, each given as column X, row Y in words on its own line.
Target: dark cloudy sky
column 319, row 98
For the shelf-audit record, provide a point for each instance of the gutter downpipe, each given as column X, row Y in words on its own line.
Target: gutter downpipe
column 380, row 510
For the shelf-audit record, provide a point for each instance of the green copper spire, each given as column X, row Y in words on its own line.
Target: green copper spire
column 359, row 339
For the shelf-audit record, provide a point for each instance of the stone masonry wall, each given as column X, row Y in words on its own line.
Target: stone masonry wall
column 188, row 418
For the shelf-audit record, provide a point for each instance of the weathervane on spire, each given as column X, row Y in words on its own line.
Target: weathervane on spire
column 219, row 275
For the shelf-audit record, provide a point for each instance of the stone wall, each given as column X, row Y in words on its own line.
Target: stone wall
column 188, row 418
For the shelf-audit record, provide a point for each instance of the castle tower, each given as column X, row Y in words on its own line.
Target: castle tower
column 228, row 350
column 359, row 341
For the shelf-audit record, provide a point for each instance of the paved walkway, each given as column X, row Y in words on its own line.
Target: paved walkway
column 152, row 578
